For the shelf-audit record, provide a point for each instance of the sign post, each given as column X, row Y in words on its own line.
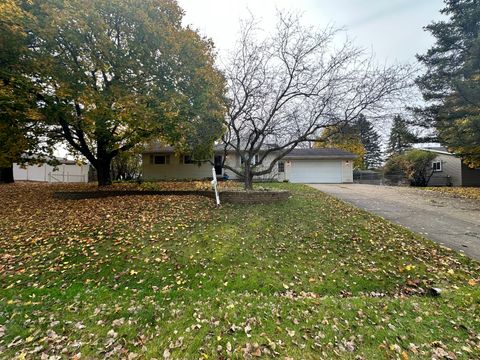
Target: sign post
column 214, row 185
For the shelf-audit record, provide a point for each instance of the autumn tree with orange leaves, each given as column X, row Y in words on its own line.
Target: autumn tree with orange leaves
column 114, row 74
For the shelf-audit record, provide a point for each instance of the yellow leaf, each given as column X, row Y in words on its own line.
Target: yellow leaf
column 472, row 282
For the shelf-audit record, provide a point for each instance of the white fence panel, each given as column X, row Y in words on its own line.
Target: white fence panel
column 63, row 173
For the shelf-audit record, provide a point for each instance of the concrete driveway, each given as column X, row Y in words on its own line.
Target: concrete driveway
column 454, row 223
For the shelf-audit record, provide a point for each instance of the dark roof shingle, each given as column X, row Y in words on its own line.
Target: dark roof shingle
column 318, row 153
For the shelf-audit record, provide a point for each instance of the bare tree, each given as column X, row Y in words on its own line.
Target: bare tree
column 285, row 88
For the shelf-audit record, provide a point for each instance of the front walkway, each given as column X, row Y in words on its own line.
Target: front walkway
column 454, row 223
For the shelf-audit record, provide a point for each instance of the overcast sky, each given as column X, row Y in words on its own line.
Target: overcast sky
column 392, row 29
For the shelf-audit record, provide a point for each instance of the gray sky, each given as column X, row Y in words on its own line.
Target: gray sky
column 392, row 29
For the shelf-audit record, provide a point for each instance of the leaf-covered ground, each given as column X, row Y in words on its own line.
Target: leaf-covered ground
column 458, row 192
column 143, row 277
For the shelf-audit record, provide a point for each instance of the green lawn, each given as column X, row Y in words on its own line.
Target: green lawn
column 144, row 277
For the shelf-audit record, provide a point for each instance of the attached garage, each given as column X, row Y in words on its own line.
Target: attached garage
column 314, row 166
column 315, row 171
column 319, row 166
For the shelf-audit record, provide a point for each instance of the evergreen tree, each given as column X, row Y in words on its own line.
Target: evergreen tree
column 451, row 83
column 401, row 138
column 371, row 142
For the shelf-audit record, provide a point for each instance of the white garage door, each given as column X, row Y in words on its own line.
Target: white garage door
column 315, row 171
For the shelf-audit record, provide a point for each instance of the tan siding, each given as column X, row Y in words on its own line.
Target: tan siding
column 175, row 170
column 452, row 167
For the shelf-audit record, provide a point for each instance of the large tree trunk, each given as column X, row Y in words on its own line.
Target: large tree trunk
column 103, row 172
column 248, row 180
column 6, row 174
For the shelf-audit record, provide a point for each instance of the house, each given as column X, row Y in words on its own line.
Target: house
column 449, row 170
column 299, row 166
column 67, row 171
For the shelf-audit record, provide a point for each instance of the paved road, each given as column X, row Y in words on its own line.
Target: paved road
column 454, row 223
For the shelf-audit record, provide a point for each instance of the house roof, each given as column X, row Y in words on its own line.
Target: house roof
column 315, row 153
column 320, row 153
column 157, row 147
column 153, row 148
column 438, row 150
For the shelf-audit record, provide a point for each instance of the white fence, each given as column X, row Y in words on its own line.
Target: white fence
column 63, row 173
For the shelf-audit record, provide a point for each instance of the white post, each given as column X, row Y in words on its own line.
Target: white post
column 214, row 185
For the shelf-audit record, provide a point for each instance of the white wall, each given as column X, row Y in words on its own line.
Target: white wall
column 46, row 173
column 347, row 171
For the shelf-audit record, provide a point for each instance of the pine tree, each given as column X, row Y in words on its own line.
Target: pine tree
column 451, row 83
column 401, row 138
column 371, row 142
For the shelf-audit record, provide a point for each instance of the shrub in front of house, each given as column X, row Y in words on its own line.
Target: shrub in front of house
column 415, row 165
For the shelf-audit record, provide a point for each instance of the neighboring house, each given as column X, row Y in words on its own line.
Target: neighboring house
column 67, row 171
column 449, row 170
column 299, row 166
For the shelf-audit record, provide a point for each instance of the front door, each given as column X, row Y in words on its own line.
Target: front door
column 218, row 164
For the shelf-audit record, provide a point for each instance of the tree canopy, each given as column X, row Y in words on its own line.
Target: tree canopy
column 20, row 121
column 451, row 82
column 346, row 138
column 415, row 164
column 113, row 74
column 400, row 138
column 358, row 137
column 284, row 89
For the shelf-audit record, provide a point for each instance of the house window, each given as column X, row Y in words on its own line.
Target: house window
column 437, row 166
column 161, row 159
column 281, row 167
column 187, row 159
